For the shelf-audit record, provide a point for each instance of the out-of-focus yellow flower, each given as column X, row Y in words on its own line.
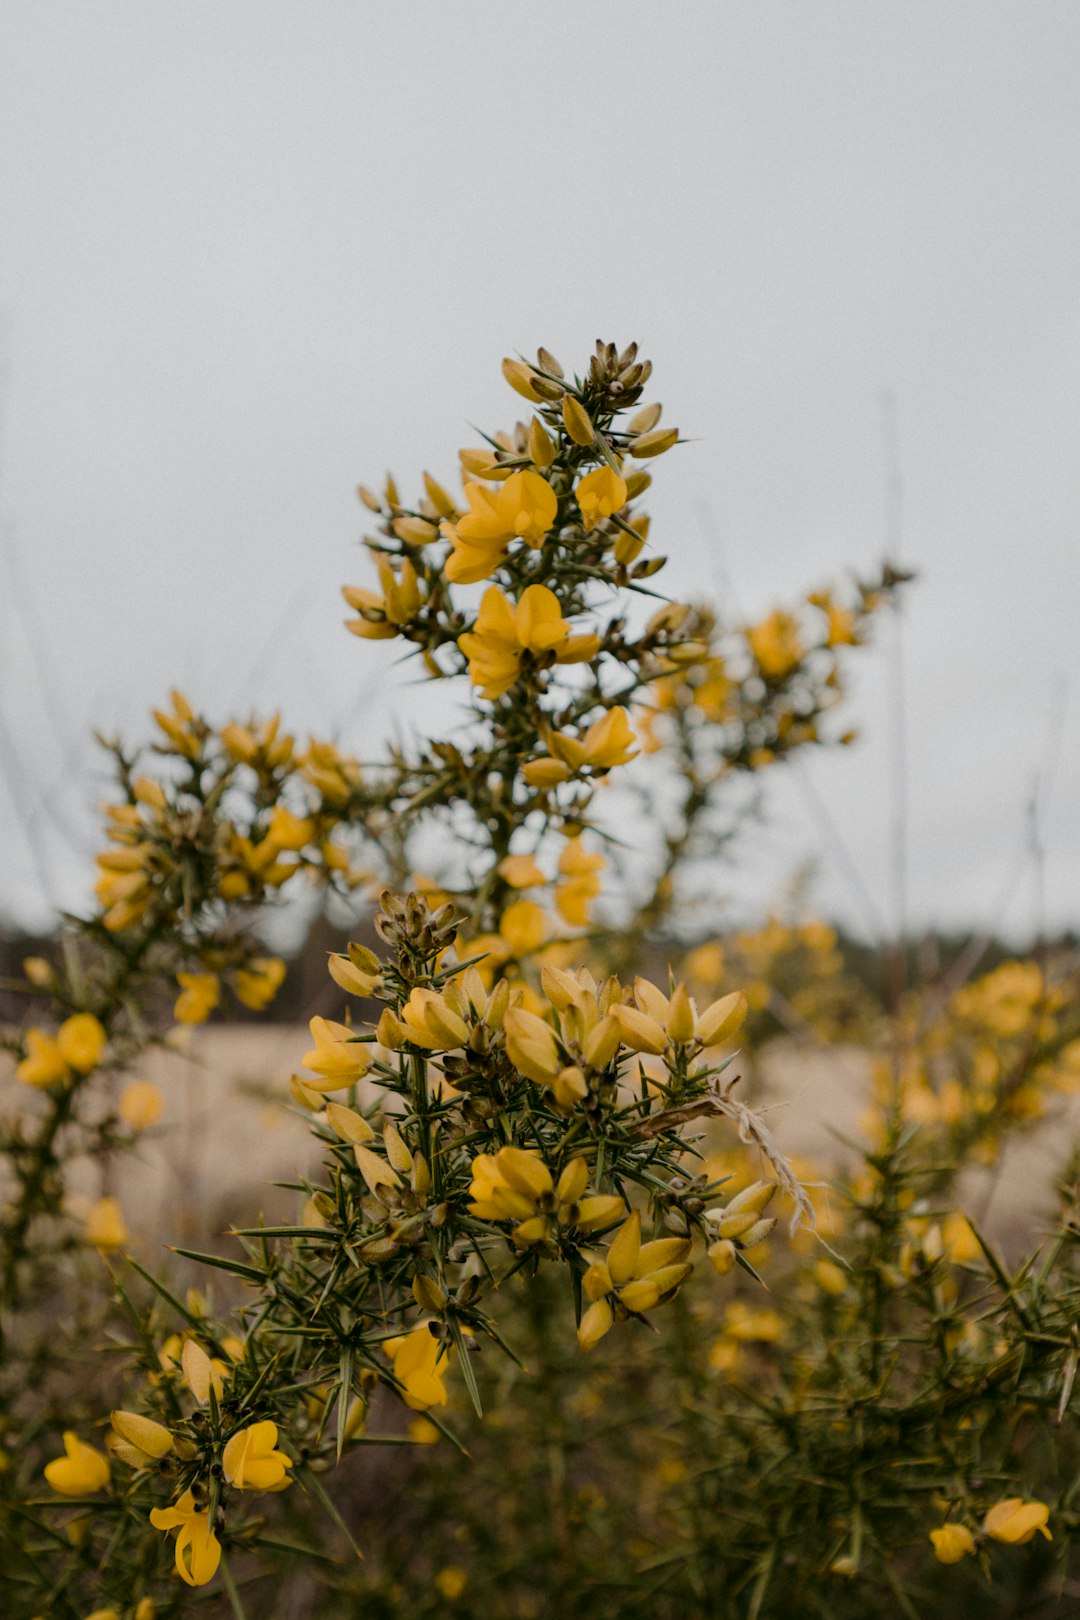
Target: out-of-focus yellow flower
column 287, row 831
column 104, row 1227
column 141, row 1104
column 1004, row 1000
column 198, row 1550
column 420, row 1367
column 776, row 644
column 599, row 494
column 521, row 872
column 523, row 927
column 82, row 1471
column 257, row 984
column 579, row 872
column 250, row 1461
column 334, row 774
column 451, row 1582
column 1016, row 1521
column 199, row 995
column 81, row 1040
column 524, row 507
column 830, row 1278
column 746, row 1325
column 78, row 1044
column 422, row 1432
column 43, row 1064
column 952, row 1542
column 633, row 1278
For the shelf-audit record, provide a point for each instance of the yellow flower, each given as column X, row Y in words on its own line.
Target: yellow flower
column 531, row 1046
column 1016, row 1521
column 608, row 742
column 580, row 882
column 288, row 832
column 183, row 729
column 43, row 1064
column 428, row 1020
column 523, row 927
column 952, row 1542
column 137, row 1440
column 202, row 1373
column 658, row 1019
column 420, row 1367
column 775, row 644
column 198, row 1550
column 521, row 872
column 599, row 494
column 748, row 1326
column 381, row 617
column 516, row 1185
column 451, row 1582
column 199, row 995
column 258, row 983
column 105, row 1228
column 524, row 507
column 81, row 1041
column 504, row 633
column 336, row 1058
column 634, row 1278
column 357, row 973
column 250, row 1461
column 140, row 1104
column 81, row 1472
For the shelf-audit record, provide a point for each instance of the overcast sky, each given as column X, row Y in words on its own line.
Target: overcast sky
column 251, row 253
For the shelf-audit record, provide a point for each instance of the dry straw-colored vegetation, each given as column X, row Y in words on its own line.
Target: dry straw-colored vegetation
column 515, row 1353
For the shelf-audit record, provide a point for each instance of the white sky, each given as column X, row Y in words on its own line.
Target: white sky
column 251, row 253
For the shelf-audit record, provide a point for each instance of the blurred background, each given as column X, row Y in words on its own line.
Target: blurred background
column 254, row 254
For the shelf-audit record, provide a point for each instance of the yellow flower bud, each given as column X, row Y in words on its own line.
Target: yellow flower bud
column 520, row 376
column 541, row 445
column 576, row 421
column 653, row 444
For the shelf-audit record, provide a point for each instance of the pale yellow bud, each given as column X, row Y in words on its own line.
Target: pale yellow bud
column 645, row 420
column 576, row 421
column 520, row 378
column 655, row 443
column 722, row 1256
column 541, row 445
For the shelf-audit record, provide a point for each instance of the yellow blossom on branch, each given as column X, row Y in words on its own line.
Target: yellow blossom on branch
column 952, row 1542
column 250, row 1461
column 522, row 508
column 633, row 1278
column 82, row 1471
column 198, row 1550
column 504, row 633
column 199, row 995
column 420, row 1363
column 608, row 742
column 599, row 494
column 1016, row 1521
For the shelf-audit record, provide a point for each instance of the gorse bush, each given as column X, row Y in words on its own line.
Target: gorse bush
column 530, row 1139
